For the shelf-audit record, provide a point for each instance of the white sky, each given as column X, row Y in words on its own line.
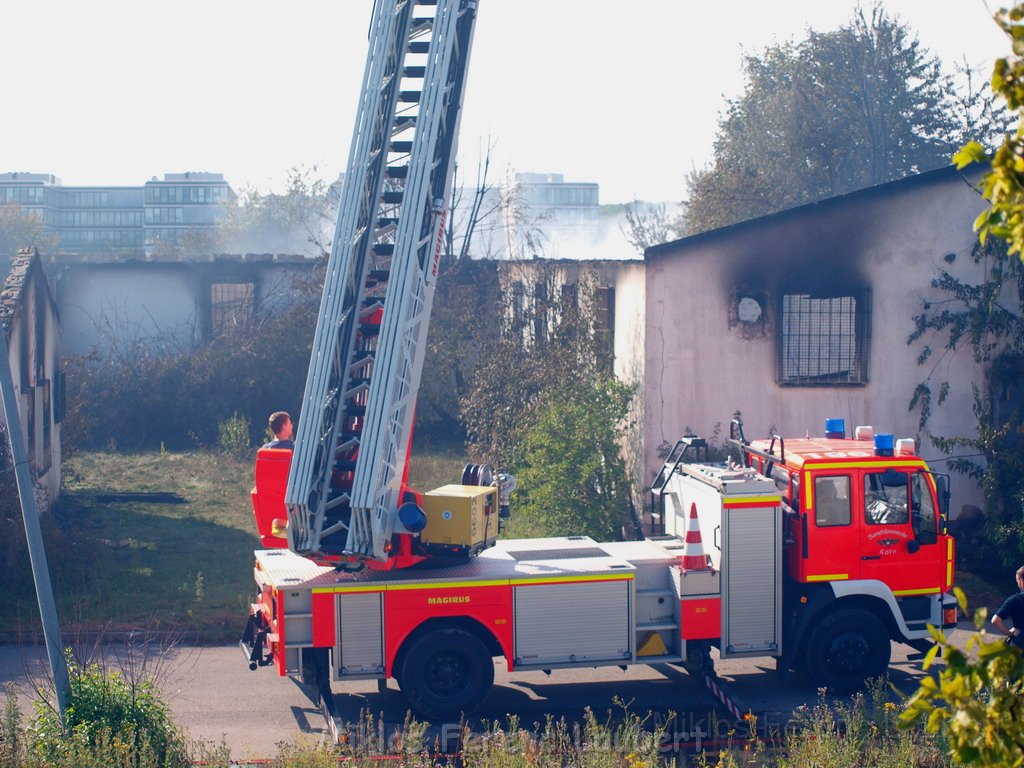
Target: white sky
column 114, row 92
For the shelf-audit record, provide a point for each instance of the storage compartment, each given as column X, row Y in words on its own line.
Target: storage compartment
column 577, row 623
column 360, row 652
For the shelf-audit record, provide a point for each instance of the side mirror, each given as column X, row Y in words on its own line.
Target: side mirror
column 913, row 546
column 942, row 490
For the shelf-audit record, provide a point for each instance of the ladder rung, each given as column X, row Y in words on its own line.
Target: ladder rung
column 397, row 171
column 347, row 444
column 378, row 275
column 338, row 526
column 372, row 304
column 415, row 72
column 402, row 122
column 337, row 501
column 383, row 249
column 426, row 2
column 419, row 47
column 393, row 198
column 345, row 465
column 401, row 147
column 357, row 389
column 409, row 97
column 369, row 329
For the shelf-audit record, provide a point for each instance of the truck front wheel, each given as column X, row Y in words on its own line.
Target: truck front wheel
column 846, row 648
column 446, row 673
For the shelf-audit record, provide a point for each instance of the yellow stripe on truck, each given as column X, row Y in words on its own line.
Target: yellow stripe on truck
column 463, row 584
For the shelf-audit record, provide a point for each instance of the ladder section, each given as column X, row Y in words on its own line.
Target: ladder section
column 353, row 433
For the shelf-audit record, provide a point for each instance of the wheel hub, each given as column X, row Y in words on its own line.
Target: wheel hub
column 447, row 674
column 848, row 652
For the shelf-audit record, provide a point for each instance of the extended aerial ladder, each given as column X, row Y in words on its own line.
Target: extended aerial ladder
column 345, row 482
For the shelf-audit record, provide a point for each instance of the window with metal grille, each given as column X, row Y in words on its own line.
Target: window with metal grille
column 824, row 339
column 232, row 306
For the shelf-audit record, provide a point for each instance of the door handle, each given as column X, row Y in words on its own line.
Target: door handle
column 870, row 557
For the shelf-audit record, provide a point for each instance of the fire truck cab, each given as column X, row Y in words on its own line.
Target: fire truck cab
column 868, row 560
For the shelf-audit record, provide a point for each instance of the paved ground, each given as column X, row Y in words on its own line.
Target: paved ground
column 215, row 696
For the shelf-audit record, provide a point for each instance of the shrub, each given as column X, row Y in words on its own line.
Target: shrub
column 573, row 477
column 108, row 714
column 234, row 437
column 12, row 746
column 978, row 699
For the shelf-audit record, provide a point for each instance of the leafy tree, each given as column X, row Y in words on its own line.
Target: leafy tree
column 572, row 476
column 298, row 220
column 21, row 228
column 978, row 698
column 838, row 111
column 1003, row 186
column 650, row 224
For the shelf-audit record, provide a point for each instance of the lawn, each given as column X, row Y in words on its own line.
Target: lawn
column 159, row 542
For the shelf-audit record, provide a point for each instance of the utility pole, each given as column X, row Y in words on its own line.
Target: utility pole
column 33, row 534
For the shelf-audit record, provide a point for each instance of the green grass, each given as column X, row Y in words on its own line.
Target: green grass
column 182, row 562
column 149, row 564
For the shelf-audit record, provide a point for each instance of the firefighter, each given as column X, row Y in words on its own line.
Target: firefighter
column 281, row 426
column 1012, row 609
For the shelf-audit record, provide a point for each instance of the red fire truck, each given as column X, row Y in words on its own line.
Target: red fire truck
column 818, row 552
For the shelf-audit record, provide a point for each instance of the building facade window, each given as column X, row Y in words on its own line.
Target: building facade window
column 824, row 339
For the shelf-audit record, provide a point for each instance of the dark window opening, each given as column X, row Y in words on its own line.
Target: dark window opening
column 540, row 313
column 824, row 340
column 605, row 322
column 232, row 307
column 44, row 464
column 30, row 423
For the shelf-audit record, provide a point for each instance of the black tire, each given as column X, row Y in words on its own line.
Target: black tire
column 845, row 648
column 446, row 673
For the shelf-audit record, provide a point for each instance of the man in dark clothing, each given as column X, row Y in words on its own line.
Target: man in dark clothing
column 1012, row 609
column 281, row 426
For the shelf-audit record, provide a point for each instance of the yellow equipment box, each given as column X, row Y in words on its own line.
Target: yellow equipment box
column 462, row 518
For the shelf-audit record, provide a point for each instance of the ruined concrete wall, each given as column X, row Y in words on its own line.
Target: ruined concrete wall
column 164, row 303
column 28, row 316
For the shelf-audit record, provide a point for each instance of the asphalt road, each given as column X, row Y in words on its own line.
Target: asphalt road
column 214, row 695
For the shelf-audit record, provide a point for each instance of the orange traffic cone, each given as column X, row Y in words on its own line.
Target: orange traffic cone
column 694, row 558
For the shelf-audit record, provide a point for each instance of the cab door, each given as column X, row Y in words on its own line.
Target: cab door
column 830, row 527
column 899, row 543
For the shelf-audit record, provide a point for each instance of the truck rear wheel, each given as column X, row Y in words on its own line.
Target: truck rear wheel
column 846, row 648
column 446, row 673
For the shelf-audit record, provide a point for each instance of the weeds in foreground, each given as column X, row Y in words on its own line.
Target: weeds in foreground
column 859, row 732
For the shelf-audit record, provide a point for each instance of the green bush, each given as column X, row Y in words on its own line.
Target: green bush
column 977, row 701
column 234, row 437
column 572, row 476
column 112, row 719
